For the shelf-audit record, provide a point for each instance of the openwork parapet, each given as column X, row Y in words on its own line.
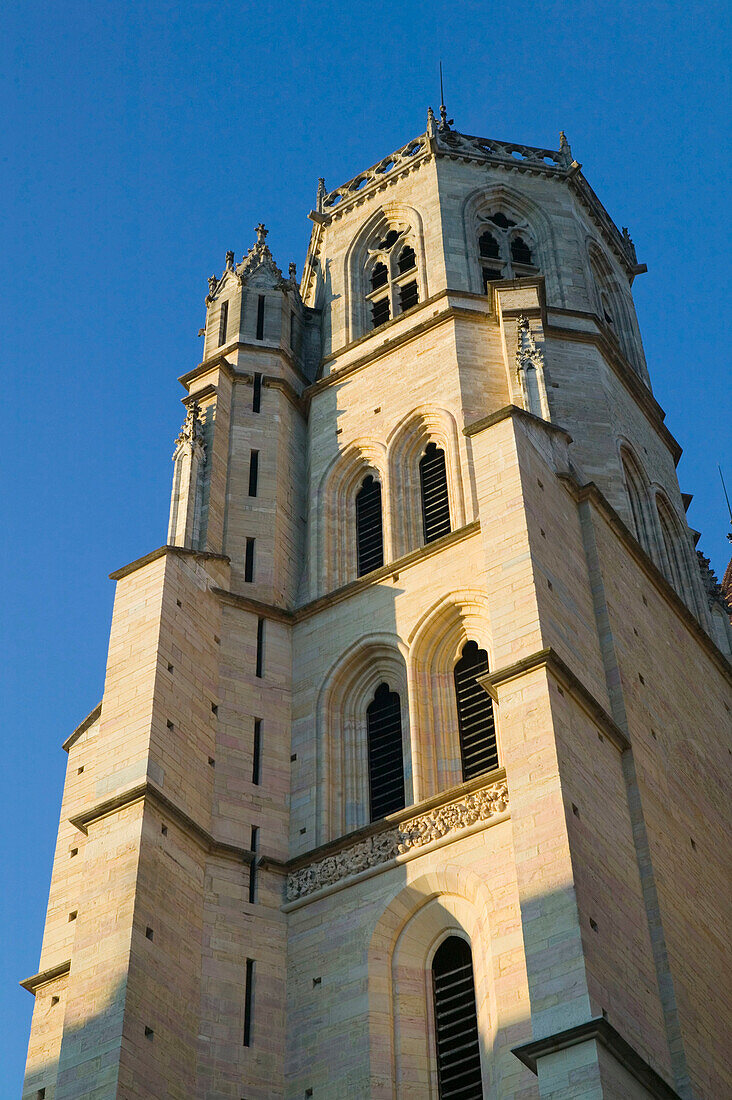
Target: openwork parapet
column 399, row 839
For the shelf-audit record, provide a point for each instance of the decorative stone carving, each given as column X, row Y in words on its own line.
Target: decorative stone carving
column 413, row 833
column 259, row 259
column 191, row 430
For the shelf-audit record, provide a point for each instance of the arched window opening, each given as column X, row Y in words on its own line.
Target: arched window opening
column 369, row 533
column 520, row 251
column 379, row 276
column 407, row 260
column 476, row 723
column 636, row 499
column 504, row 250
column 386, row 761
column 456, row 1022
column 394, row 286
column 675, row 570
column 435, row 500
column 489, row 246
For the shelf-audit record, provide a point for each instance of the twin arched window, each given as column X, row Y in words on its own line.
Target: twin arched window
column 456, row 1022
column 504, row 250
column 393, row 278
column 476, row 731
column 435, row 510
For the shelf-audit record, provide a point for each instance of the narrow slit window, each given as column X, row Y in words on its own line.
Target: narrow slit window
column 260, row 317
column 435, row 501
column 408, row 296
column 476, row 723
column 257, row 393
column 369, row 534
column 253, row 472
column 260, row 648
column 248, row 1002
column 386, row 760
column 249, row 560
column 253, row 865
column 223, row 322
column 257, row 752
column 456, row 1022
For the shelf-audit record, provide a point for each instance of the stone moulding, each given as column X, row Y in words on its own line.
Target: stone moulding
column 399, row 840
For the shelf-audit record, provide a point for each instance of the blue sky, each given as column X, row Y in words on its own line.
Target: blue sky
column 144, row 140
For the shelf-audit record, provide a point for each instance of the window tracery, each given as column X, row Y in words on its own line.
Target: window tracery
column 392, row 277
column 505, row 249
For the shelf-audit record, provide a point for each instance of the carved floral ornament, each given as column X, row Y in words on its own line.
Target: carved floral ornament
column 399, row 840
column 526, row 349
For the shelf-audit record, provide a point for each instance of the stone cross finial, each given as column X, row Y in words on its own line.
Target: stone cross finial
column 261, row 234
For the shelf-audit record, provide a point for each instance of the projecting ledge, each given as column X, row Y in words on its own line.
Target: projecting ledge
column 513, row 410
column 603, row 1032
column 183, row 551
column 46, row 976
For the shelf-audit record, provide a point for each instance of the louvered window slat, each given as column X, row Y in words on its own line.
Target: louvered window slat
column 456, row 1023
column 386, row 760
column 435, row 501
column 476, row 723
column 369, row 534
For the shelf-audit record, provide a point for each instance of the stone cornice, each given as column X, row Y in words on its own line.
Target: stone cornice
column 399, row 837
column 218, row 359
column 603, row 1032
column 90, row 718
column 385, row 346
column 296, row 615
column 590, row 492
column 612, row 354
column 557, row 667
column 509, row 411
column 147, row 791
column 234, row 375
column 139, row 563
column 45, row 976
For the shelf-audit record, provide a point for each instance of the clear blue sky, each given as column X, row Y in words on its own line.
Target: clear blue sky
column 144, row 140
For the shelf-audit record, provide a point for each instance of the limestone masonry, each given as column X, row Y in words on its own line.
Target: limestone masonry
column 411, row 774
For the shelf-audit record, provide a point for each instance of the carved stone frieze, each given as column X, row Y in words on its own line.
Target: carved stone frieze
column 399, row 839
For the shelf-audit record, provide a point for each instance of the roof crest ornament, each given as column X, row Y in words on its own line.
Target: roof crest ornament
column 565, row 149
column 192, row 429
column 320, row 198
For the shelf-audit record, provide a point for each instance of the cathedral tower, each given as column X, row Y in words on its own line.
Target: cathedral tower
column 407, row 777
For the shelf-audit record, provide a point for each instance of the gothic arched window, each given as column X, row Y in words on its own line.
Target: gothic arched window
column 435, row 501
column 637, row 498
column 504, row 250
column 476, row 723
column 369, row 533
column 675, row 565
column 456, row 1022
column 393, row 278
column 386, row 760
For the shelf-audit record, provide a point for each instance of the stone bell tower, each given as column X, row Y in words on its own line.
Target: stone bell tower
column 407, row 777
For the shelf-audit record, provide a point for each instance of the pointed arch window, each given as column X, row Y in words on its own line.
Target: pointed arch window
column 392, row 278
column 504, row 249
column 369, row 532
column 435, row 500
column 456, row 1022
column 476, row 722
column 386, row 759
